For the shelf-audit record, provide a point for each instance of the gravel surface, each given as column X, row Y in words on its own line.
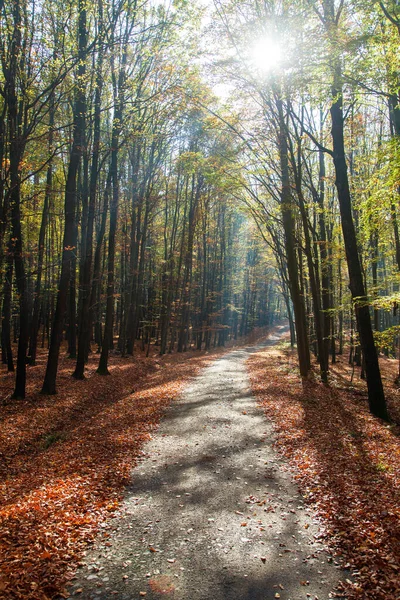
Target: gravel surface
column 212, row 512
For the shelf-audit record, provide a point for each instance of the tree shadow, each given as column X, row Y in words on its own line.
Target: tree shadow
column 345, row 468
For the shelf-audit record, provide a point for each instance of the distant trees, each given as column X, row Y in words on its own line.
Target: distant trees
column 117, row 223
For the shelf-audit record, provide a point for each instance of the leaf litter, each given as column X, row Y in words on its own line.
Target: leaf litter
column 66, row 459
column 346, row 462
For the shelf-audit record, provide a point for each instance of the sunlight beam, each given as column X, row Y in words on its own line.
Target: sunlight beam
column 266, row 55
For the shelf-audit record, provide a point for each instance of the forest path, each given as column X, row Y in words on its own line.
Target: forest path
column 212, row 512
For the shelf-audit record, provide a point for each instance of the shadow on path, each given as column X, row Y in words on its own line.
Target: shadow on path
column 211, row 513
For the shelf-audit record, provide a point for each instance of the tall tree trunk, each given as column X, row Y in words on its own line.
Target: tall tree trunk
column 17, row 144
column 84, row 329
column 326, row 282
column 312, row 268
column 71, row 331
column 132, row 287
column 41, row 248
column 68, row 249
column 6, row 324
column 119, row 84
column 290, row 247
column 374, row 238
column 4, row 198
column 186, row 286
column 376, row 397
column 108, row 327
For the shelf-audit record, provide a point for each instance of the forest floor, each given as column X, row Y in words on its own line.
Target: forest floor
column 66, row 460
column 346, row 462
column 212, row 512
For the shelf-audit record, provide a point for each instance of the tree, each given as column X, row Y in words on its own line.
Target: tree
column 376, row 397
column 70, row 204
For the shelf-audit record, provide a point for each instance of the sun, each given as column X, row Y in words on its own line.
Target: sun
column 266, row 55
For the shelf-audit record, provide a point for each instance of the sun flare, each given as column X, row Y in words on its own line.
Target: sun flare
column 266, row 55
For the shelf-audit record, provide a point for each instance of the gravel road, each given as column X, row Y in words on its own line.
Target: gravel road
column 212, row 512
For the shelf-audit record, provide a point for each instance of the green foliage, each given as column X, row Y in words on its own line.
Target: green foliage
column 386, row 339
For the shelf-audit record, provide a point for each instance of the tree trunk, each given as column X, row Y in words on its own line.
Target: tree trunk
column 16, row 154
column 323, row 248
column 84, row 329
column 68, row 250
column 290, row 247
column 186, row 285
column 108, row 327
column 116, row 130
column 376, row 397
column 6, row 324
column 40, row 260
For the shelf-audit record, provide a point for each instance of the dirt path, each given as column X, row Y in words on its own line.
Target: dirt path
column 212, row 513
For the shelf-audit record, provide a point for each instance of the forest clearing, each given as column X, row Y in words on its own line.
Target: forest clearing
column 178, row 181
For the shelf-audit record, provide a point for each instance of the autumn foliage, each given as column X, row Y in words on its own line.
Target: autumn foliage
column 345, row 461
